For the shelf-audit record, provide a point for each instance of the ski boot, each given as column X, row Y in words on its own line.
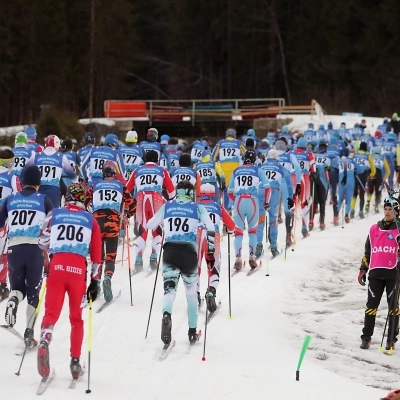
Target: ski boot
column 252, row 261
column 108, row 295
column 376, row 209
column 138, row 264
column 288, row 240
column 153, row 261
column 274, row 250
column 259, row 250
column 304, row 231
column 352, row 212
column 193, row 336
column 336, row 221
column 43, row 359
column 390, row 345
column 11, row 310
column 311, row 225
column 322, row 226
column 365, row 344
column 4, row 291
column 29, row 340
column 210, row 299
column 367, row 207
column 75, row 368
column 238, row 263
column 166, row 327
column 347, row 218
column 361, row 215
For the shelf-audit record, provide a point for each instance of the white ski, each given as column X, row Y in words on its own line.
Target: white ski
column 166, row 350
column 11, row 329
column 45, row 382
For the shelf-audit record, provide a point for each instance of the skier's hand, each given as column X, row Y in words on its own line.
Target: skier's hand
column 266, row 206
column 290, row 203
column 397, row 168
column 158, row 230
column 93, row 289
column 362, row 277
column 298, row 190
column 344, row 181
column 223, row 186
column 313, row 176
column 231, row 232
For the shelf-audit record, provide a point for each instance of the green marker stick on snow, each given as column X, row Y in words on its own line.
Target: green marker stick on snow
column 306, row 343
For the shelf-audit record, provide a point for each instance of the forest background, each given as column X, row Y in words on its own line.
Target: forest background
column 71, row 55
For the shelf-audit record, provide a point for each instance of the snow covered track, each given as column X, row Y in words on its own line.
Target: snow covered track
column 252, row 356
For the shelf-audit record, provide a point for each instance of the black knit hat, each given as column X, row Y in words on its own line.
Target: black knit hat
column 31, row 176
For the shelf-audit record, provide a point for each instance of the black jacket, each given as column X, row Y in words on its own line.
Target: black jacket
column 379, row 273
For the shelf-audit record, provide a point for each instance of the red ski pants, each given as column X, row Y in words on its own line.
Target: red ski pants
column 56, row 289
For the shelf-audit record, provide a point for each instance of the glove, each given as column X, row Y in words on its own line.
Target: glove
column 266, row 206
column 298, row 190
column 93, row 289
column 344, row 180
column 46, row 263
column 223, row 186
column 158, row 230
column 210, row 242
column 362, row 276
column 313, row 176
column 231, row 232
column 290, row 203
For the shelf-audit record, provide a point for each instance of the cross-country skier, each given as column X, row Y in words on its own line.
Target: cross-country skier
column 197, row 149
column 289, row 161
column 216, row 213
column 132, row 153
column 333, row 154
column 243, row 189
column 307, row 164
column 228, row 152
column 380, row 258
column 347, row 172
column 186, row 173
column 74, row 160
column 90, row 140
column 211, row 172
column 32, row 134
column 21, row 153
column 148, row 181
column 181, row 219
column 365, row 168
column 280, row 182
column 70, row 234
column 389, row 150
column 376, row 183
column 151, row 144
column 92, row 165
column 26, row 212
column 52, row 165
column 9, row 183
column 172, row 147
column 109, row 199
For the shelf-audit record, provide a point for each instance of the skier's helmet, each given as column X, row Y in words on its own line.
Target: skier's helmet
column 75, row 193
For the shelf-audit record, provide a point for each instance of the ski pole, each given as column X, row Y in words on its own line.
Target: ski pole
column 129, row 260
column 207, row 314
column 90, row 342
column 34, row 322
column 229, row 276
column 359, row 180
column 295, row 221
column 266, row 238
column 154, row 288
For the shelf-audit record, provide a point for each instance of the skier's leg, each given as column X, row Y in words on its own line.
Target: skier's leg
column 76, row 294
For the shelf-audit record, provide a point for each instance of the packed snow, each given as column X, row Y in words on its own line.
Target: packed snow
column 254, row 355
